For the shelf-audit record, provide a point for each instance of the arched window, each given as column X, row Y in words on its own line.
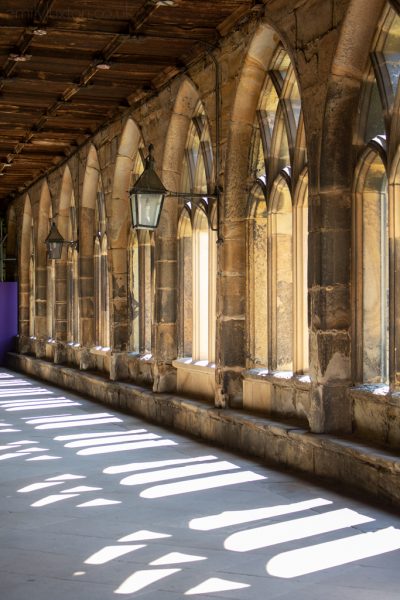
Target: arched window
column 101, row 280
column 278, row 227
column 375, row 212
column 372, row 269
column 197, row 248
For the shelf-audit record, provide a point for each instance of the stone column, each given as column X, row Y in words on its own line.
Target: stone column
column 329, row 257
column 165, row 309
column 61, row 299
column 119, row 298
column 86, row 276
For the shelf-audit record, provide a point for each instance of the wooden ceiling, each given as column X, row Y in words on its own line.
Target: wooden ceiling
column 68, row 67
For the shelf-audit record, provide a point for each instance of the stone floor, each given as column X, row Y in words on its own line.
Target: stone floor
column 98, row 504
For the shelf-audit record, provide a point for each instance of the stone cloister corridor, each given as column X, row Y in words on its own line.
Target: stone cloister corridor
column 97, row 503
column 199, row 299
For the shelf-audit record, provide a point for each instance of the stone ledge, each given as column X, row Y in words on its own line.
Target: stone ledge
column 363, row 467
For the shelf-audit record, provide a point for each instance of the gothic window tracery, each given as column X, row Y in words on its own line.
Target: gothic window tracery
column 277, row 226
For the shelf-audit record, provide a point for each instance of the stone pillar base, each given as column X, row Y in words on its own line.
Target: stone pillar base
column 60, row 354
column 164, row 378
column 331, row 409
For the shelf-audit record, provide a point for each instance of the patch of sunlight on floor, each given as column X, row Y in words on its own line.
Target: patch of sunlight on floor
column 34, row 449
column 65, row 477
column 68, row 418
column 176, row 558
column 23, row 392
column 23, row 442
column 81, row 436
column 42, row 406
column 12, row 455
column 142, row 466
column 144, row 534
column 196, row 485
column 214, row 585
column 98, row 502
column 32, row 401
column 80, row 489
column 52, row 499
column 77, row 423
column 236, row 517
column 297, row 529
column 112, row 440
column 124, row 447
column 9, row 430
column 333, row 554
column 38, row 486
column 109, row 553
column 178, row 473
column 44, row 457
column 142, row 579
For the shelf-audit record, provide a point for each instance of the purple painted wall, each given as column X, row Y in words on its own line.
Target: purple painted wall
column 8, row 317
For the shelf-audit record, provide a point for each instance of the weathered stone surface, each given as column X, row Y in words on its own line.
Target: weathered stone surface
column 359, row 466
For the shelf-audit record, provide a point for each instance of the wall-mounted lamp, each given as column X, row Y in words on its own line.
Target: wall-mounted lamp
column 55, row 243
column 148, row 193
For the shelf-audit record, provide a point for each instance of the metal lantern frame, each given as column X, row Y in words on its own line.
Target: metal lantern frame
column 148, row 193
column 55, row 243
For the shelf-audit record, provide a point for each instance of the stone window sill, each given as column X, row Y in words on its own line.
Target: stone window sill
column 376, row 392
column 142, row 357
column 189, row 364
column 100, row 350
column 73, row 344
column 278, row 377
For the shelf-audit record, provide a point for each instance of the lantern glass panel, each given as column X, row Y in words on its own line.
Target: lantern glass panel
column 146, row 208
column 54, row 250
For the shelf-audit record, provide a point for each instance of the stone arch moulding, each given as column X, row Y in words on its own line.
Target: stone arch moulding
column 24, row 251
column 331, row 171
column 44, row 271
column 119, row 235
column 87, row 212
column 166, row 299
column 64, row 204
column 231, row 285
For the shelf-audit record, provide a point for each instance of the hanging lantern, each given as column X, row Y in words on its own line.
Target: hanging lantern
column 147, row 197
column 54, row 243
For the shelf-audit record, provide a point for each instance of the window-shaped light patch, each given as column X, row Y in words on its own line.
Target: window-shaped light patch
column 124, row 447
column 52, row 499
column 34, row 487
column 102, row 434
column 176, row 558
column 196, row 485
column 178, row 472
column 297, row 529
column 144, row 534
column 109, row 553
column 142, row 579
column 333, row 554
column 98, row 502
column 68, row 418
column 236, row 517
column 112, row 439
column 41, row 406
column 154, row 464
column 215, row 585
